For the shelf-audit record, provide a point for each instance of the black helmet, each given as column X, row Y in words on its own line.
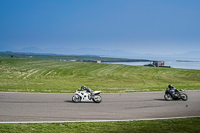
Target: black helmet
column 170, row 86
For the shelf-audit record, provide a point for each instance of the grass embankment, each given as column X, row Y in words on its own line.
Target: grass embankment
column 189, row 125
column 34, row 75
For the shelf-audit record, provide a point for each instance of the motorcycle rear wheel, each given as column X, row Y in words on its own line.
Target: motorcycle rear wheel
column 168, row 97
column 97, row 98
column 184, row 97
column 76, row 98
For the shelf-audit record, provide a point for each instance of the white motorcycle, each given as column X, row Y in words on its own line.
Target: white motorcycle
column 84, row 96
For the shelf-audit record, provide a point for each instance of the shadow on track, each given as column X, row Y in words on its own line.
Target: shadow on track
column 69, row 101
column 160, row 99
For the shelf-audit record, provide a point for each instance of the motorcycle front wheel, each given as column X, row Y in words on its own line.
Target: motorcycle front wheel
column 76, row 98
column 168, row 97
column 184, row 97
column 97, row 98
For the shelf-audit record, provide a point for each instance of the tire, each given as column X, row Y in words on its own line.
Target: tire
column 76, row 98
column 97, row 98
column 184, row 97
column 168, row 97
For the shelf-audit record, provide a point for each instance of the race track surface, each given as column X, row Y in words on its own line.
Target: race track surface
column 30, row 107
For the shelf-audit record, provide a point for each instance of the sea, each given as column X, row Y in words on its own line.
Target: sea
column 174, row 62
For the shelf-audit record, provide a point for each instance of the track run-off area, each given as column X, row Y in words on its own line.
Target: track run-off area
column 58, row 107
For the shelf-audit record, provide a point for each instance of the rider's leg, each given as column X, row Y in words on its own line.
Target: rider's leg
column 92, row 94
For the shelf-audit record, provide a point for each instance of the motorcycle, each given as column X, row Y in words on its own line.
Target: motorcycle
column 177, row 95
column 84, row 96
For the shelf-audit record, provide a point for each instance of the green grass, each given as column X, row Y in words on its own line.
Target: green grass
column 187, row 125
column 51, row 76
column 37, row 75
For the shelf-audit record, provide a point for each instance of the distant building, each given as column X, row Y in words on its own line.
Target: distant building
column 98, row 61
column 158, row 63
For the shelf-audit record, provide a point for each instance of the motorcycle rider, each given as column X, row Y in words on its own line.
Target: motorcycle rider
column 172, row 90
column 83, row 87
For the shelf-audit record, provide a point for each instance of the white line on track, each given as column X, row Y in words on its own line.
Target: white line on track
column 102, row 120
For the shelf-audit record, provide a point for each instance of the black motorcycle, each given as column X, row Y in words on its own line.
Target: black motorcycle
column 177, row 95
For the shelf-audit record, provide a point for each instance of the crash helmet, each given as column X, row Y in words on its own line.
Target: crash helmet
column 83, row 86
column 170, row 86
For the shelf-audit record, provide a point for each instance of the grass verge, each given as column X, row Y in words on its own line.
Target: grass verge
column 184, row 125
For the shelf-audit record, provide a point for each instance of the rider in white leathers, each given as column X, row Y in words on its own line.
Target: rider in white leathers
column 83, row 87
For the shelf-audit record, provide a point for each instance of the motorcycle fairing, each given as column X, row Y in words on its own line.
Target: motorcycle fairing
column 84, row 96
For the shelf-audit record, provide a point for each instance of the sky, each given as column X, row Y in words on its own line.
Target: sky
column 138, row 26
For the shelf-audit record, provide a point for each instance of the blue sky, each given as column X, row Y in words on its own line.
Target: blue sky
column 138, row 26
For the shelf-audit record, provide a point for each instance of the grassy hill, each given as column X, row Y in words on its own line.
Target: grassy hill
column 37, row 75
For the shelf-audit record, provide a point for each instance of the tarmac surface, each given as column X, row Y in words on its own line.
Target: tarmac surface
column 55, row 107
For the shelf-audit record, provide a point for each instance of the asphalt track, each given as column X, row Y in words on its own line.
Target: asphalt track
column 51, row 107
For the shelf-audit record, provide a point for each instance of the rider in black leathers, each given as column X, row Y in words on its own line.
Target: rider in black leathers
column 172, row 90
